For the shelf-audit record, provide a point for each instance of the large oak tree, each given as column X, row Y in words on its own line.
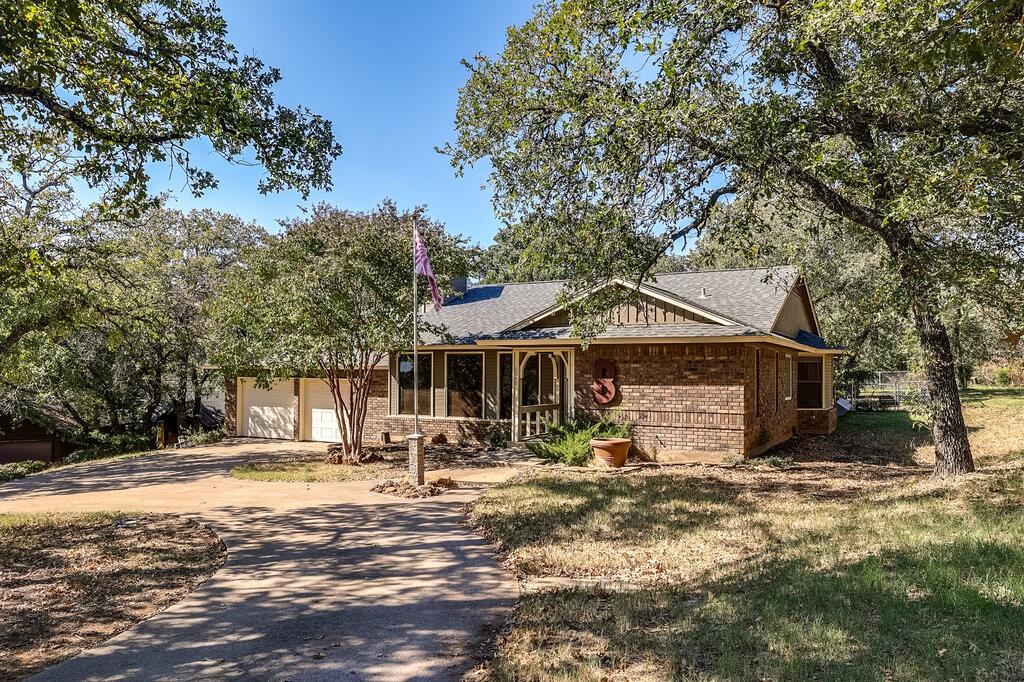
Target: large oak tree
column 128, row 82
column 614, row 127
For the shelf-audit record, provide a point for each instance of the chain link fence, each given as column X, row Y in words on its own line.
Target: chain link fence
column 889, row 391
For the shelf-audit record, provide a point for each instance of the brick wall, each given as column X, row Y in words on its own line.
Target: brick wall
column 690, row 400
column 681, row 398
column 296, row 414
column 816, row 421
column 455, row 430
column 770, row 418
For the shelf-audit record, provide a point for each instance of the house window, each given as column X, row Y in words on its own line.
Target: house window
column 787, row 380
column 505, row 386
column 464, row 377
column 405, row 383
column 809, row 383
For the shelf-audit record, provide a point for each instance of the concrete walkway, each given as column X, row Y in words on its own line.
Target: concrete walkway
column 323, row 581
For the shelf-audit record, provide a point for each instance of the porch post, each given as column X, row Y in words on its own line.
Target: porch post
column 570, row 360
column 558, row 366
column 516, row 393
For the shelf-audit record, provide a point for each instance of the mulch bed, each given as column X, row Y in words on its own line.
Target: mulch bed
column 71, row 581
column 403, row 488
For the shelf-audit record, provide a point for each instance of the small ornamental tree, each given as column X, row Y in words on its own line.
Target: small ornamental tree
column 615, row 127
column 332, row 296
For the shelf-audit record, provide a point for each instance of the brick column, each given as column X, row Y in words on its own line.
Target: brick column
column 231, row 405
column 416, row 459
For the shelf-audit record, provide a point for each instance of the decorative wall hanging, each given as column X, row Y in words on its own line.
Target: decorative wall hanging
column 604, row 381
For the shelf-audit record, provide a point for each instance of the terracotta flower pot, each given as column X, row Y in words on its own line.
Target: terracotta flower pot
column 612, row 451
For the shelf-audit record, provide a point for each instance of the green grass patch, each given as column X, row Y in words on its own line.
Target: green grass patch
column 311, row 471
column 994, row 396
column 764, row 575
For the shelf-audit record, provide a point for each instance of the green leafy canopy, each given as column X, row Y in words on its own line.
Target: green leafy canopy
column 128, row 82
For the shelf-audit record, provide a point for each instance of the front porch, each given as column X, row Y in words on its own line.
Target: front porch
column 540, row 385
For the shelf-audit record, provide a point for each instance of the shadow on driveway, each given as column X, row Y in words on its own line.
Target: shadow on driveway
column 322, row 581
column 156, row 468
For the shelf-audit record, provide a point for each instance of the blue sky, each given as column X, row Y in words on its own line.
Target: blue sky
column 387, row 75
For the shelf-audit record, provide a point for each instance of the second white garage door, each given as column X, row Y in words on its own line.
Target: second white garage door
column 267, row 414
column 319, row 421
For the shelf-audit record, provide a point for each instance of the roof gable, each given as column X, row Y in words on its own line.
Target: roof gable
column 797, row 313
column 650, row 306
column 751, row 298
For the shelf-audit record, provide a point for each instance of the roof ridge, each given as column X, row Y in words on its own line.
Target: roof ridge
column 656, row 274
column 704, row 272
column 507, row 284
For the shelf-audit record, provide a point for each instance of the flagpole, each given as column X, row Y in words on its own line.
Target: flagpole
column 415, row 340
column 416, row 459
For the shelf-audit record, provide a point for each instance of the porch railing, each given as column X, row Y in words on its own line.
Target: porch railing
column 535, row 419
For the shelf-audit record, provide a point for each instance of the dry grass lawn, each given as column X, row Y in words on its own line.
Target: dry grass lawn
column 851, row 564
column 71, row 581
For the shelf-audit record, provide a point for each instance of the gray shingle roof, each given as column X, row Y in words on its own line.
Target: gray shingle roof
column 751, row 297
column 491, row 308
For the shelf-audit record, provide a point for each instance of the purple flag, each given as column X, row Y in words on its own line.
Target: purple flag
column 422, row 267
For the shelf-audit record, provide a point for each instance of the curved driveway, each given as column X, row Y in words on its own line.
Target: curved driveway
column 323, row 581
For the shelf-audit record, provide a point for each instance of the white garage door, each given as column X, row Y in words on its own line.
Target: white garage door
column 319, row 420
column 267, row 414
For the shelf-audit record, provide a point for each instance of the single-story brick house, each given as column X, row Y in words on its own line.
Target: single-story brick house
column 716, row 363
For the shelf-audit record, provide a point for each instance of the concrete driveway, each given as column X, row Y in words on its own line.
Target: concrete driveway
column 323, row 581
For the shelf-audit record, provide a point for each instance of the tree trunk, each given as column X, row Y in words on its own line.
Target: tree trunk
column 952, row 448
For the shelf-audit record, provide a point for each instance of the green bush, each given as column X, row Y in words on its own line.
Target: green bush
column 16, row 470
column 499, row 434
column 1003, row 376
column 201, row 437
column 105, row 445
column 570, row 442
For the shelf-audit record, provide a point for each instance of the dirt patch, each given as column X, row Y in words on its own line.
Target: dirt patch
column 71, row 581
column 403, row 488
